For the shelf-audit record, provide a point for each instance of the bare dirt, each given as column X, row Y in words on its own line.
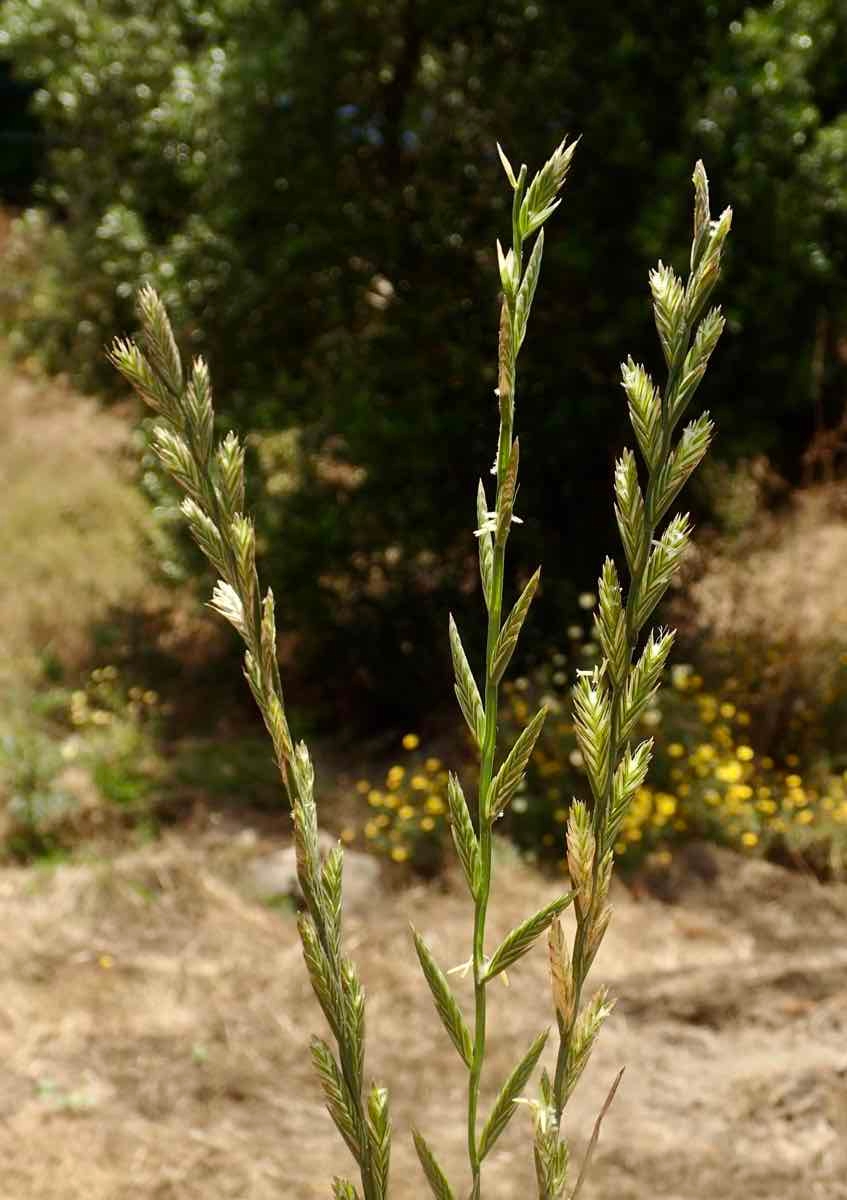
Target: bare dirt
column 154, row 1023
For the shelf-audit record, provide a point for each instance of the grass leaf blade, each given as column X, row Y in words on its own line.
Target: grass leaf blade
column 467, row 692
column 342, row 1189
column 510, row 632
column 506, row 781
column 445, row 1001
column 516, row 943
column 504, row 1105
column 464, row 837
column 379, row 1137
column 486, row 548
column 434, row 1175
column 337, row 1096
column 526, row 292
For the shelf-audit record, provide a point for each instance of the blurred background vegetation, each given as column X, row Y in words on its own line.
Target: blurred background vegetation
column 314, row 189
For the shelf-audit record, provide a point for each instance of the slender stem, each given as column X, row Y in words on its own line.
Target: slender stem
column 488, row 750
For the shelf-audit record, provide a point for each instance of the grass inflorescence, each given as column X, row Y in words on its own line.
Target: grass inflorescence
column 609, row 699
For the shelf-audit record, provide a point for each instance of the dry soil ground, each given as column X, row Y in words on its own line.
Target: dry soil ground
column 154, row 1023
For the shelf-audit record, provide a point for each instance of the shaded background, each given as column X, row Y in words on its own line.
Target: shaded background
column 315, row 191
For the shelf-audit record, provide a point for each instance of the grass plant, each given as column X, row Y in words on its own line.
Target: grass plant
column 608, row 698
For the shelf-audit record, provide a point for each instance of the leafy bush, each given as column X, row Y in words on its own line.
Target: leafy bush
column 717, row 774
column 724, row 770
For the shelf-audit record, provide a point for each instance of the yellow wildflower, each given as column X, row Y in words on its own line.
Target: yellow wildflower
column 729, row 772
column 740, row 791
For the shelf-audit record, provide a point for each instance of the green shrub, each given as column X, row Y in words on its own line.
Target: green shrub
column 720, row 771
column 744, row 757
column 77, row 762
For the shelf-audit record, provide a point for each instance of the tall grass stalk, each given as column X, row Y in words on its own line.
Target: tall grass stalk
column 607, row 700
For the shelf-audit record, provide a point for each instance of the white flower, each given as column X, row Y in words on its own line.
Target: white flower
column 489, row 525
column 226, row 601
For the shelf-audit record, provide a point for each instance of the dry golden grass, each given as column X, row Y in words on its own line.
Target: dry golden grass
column 73, row 527
column 783, row 579
column 154, row 1025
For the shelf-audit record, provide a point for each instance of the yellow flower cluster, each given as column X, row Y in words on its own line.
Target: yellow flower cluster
column 104, row 700
column 407, row 818
column 707, row 779
column 726, row 791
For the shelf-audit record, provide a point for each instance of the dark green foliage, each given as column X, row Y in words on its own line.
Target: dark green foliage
column 21, row 141
column 775, row 121
column 310, row 185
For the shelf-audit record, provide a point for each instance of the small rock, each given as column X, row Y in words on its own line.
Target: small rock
column 274, row 876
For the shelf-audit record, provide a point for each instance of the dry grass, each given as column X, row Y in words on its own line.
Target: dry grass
column 73, row 528
column 783, row 579
column 176, row 1067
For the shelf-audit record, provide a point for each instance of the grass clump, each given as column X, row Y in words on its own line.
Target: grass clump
column 77, row 761
column 609, row 699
